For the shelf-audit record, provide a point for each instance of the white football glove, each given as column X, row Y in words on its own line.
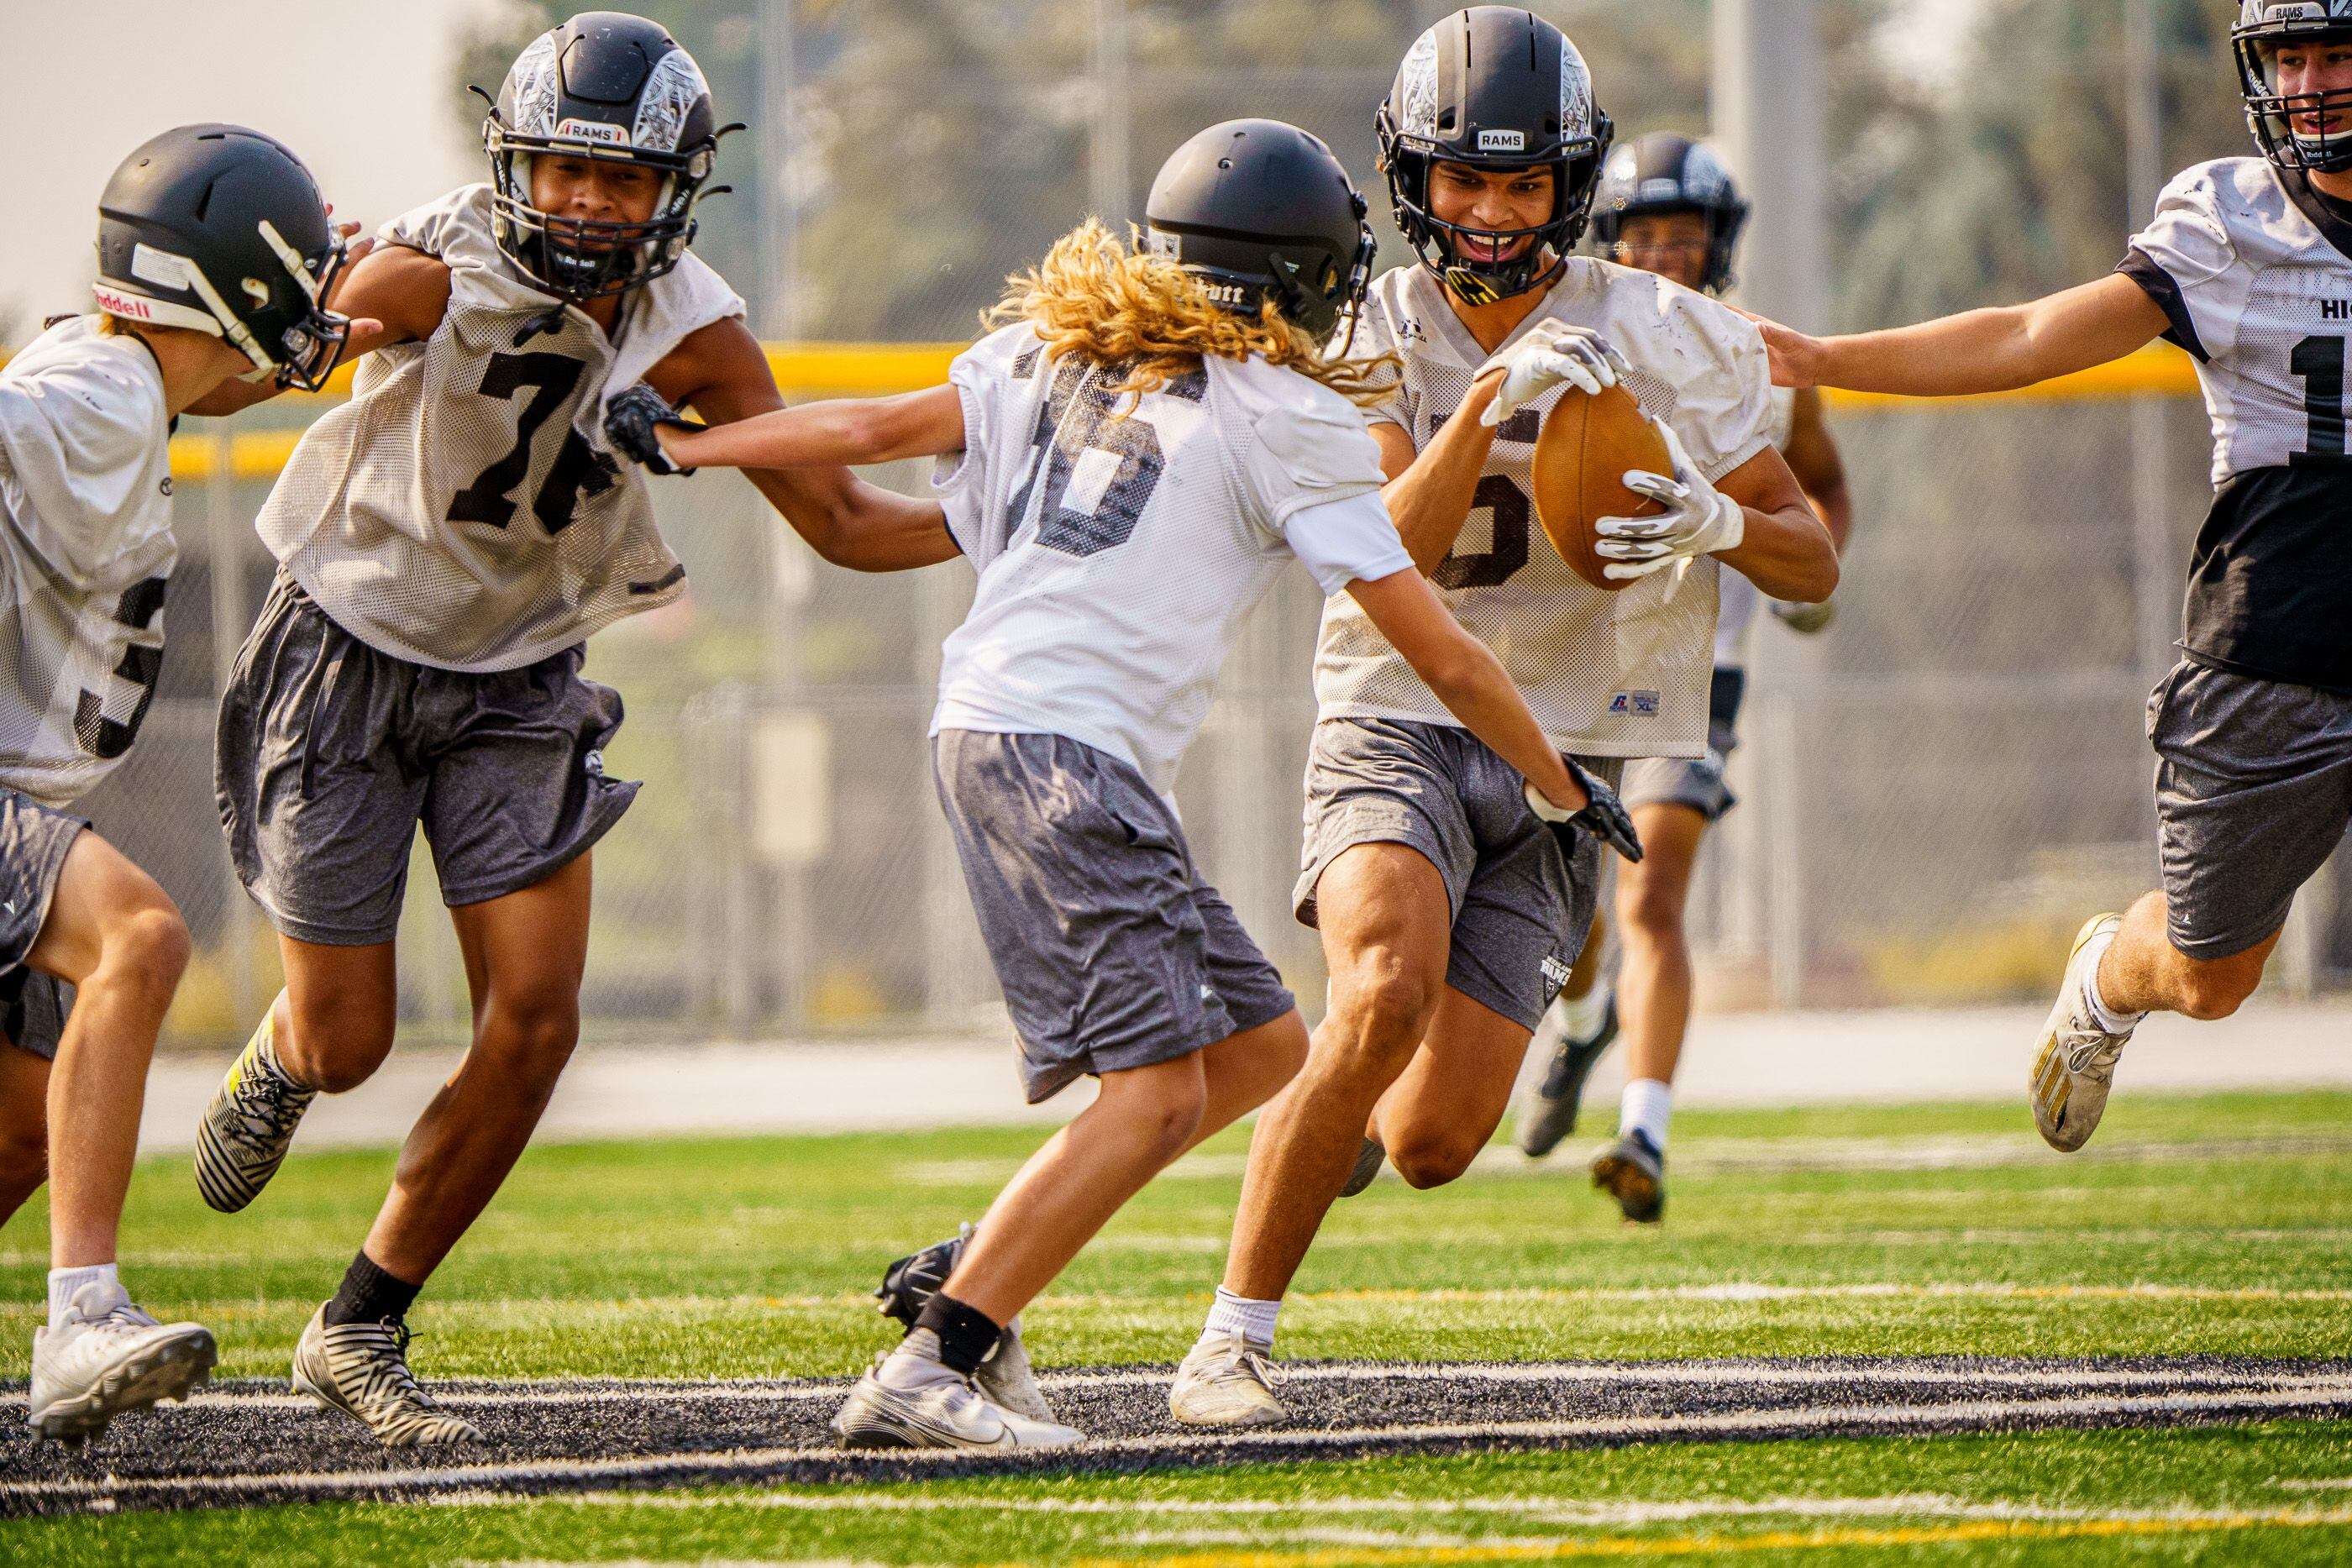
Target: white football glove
column 1807, row 619
column 1553, row 352
column 1698, row 519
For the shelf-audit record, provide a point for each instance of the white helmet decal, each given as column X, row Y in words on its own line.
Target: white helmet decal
column 668, row 96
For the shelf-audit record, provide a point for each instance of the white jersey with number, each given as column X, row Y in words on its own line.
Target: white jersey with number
column 1607, row 675
column 1120, row 540
column 464, row 509
column 1738, row 598
column 86, row 541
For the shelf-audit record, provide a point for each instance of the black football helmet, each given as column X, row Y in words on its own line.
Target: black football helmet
column 1663, row 173
column 1498, row 89
column 607, row 86
column 2262, row 26
column 1259, row 210
column 220, row 229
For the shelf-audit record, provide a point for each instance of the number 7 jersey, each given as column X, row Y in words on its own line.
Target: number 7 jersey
column 1607, row 675
column 464, row 509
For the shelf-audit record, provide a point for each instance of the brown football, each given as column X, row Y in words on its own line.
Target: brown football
column 1588, row 443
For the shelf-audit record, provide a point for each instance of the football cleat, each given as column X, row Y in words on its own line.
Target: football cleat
column 246, row 1130
column 1548, row 1110
column 1005, row 1377
column 1369, row 1160
column 1632, row 1170
column 2076, row 1066
column 1226, row 1381
column 912, row 1400
column 362, row 1370
column 108, row 1357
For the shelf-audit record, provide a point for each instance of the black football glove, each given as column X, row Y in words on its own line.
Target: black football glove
column 1604, row 816
column 630, row 420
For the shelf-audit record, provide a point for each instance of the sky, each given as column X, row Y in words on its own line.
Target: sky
column 357, row 87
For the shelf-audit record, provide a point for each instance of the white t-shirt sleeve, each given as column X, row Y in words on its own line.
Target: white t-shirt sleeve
column 1723, row 410
column 1305, row 451
column 78, row 438
column 2189, row 265
column 960, row 480
column 1345, row 541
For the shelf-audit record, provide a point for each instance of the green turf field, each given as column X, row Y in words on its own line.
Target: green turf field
column 2212, row 1225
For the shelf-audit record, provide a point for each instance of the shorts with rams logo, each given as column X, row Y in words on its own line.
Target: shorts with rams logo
column 1520, row 911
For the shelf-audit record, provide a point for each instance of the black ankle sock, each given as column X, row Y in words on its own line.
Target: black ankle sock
column 370, row 1295
column 967, row 1334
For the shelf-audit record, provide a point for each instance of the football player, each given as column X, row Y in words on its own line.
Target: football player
column 2247, row 265
column 1449, row 915
column 1668, row 206
column 1144, row 447
column 446, row 540
column 213, row 248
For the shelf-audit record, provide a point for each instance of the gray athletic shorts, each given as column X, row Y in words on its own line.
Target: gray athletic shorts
column 1693, row 782
column 331, row 753
column 2254, row 791
column 34, row 842
column 1111, row 950
column 1520, row 914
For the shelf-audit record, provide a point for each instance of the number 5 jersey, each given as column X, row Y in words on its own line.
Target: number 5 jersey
column 1119, row 540
column 1607, row 675
column 2254, row 268
column 86, row 540
column 464, row 509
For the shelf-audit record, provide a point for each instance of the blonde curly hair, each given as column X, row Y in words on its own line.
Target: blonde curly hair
column 1098, row 296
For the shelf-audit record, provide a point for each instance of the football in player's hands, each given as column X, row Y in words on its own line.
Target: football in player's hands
column 631, row 421
column 1589, row 441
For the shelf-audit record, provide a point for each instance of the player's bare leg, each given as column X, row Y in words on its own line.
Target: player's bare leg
column 1440, row 1112
column 1142, row 1118
column 116, row 936
column 2143, row 972
column 1386, row 923
column 24, row 1128
column 525, row 955
column 1653, row 1001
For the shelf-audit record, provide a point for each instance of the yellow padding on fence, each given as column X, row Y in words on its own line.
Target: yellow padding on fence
column 872, row 370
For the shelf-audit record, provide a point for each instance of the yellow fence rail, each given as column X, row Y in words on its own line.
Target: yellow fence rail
column 871, row 369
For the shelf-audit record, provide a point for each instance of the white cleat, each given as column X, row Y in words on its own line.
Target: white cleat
column 1226, row 1382
column 1008, row 1381
column 911, row 1400
column 108, row 1357
column 362, row 1370
column 2076, row 1066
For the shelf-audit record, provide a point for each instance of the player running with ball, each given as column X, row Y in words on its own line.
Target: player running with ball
column 1147, row 445
column 2248, row 265
column 213, row 250
column 1449, row 913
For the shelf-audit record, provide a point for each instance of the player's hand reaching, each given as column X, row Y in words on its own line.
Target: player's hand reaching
column 1552, row 353
column 1698, row 519
column 633, row 422
column 1797, row 359
column 1603, row 815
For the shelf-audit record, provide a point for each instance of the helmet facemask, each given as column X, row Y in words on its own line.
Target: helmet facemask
column 2270, row 114
column 1440, row 244
column 581, row 259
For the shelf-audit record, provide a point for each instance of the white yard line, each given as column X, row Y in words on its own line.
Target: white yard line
column 2318, row 1395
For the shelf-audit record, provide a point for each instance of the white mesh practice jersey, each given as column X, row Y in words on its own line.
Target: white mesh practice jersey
column 2263, row 301
column 464, row 509
column 1117, row 550
column 1607, row 674
column 1738, row 598
column 86, row 541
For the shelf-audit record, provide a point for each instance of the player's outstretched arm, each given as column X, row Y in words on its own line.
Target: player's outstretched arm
column 1467, row 678
column 723, row 374
column 826, row 434
column 392, row 294
column 1997, row 350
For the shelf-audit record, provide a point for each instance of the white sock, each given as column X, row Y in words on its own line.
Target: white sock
column 1580, row 1017
column 64, row 1283
column 1231, row 1314
column 2109, row 1020
column 1645, row 1108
